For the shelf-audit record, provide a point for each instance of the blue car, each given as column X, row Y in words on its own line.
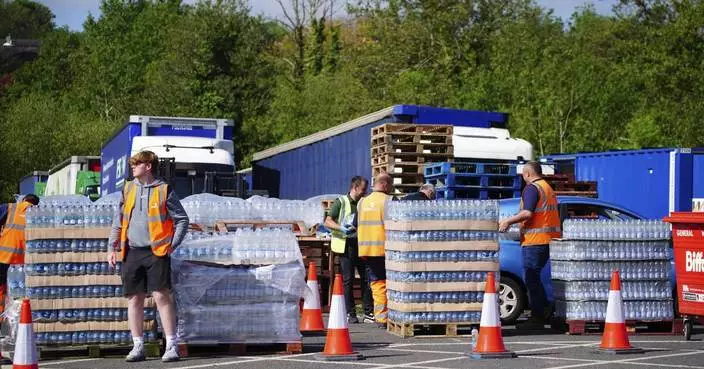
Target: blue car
column 512, row 291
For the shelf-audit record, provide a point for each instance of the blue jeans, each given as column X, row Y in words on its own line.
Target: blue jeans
column 535, row 257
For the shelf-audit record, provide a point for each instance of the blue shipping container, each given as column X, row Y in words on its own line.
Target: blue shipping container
column 652, row 182
column 115, row 154
column 324, row 162
column 27, row 183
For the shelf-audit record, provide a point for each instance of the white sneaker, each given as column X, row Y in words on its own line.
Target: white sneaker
column 171, row 354
column 137, row 354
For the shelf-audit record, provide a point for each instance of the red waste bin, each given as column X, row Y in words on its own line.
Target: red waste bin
column 688, row 241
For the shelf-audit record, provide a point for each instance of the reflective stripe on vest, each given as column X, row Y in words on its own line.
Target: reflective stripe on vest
column 544, row 225
column 12, row 243
column 160, row 225
column 371, row 234
column 339, row 239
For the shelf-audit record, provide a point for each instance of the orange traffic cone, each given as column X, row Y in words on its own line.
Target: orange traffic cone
column 312, row 318
column 25, row 346
column 338, row 346
column 490, row 344
column 615, row 338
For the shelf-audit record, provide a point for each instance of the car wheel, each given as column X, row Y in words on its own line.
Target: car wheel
column 511, row 300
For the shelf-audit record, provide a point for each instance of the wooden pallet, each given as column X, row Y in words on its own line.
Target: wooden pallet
column 430, row 329
column 415, row 129
column 397, row 168
column 411, row 138
column 238, row 349
column 409, row 149
column 583, row 327
column 409, row 158
column 151, row 349
column 298, row 227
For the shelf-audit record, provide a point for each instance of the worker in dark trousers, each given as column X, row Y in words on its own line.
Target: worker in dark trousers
column 344, row 243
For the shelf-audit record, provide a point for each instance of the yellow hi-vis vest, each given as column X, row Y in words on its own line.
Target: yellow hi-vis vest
column 544, row 225
column 370, row 224
column 12, row 237
column 161, row 227
column 339, row 238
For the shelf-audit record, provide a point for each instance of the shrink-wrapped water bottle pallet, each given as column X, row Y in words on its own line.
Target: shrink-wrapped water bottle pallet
column 408, row 307
column 55, row 351
column 430, row 329
column 586, row 327
column 65, row 233
column 204, row 348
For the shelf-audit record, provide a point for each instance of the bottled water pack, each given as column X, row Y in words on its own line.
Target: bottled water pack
column 436, row 297
column 436, row 317
column 586, row 229
column 89, row 337
column 633, row 310
column 440, row 236
column 71, row 269
column 436, row 256
column 48, row 246
column 592, row 270
column 58, row 292
column 599, row 290
column 463, row 209
column 437, row 277
column 261, row 246
column 70, row 215
column 208, row 208
column 609, row 250
column 86, row 315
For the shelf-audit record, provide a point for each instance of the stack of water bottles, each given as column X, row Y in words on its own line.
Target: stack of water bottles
column 77, row 297
column 438, row 254
column 582, row 263
column 239, row 287
column 206, row 209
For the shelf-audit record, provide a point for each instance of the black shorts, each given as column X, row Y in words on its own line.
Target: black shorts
column 145, row 272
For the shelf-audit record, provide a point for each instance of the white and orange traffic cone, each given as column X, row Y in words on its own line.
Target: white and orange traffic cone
column 490, row 344
column 25, row 346
column 312, row 317
column 615, row 337
column 338, row 346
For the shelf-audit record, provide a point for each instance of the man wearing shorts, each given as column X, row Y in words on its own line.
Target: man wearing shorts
column 151, row 222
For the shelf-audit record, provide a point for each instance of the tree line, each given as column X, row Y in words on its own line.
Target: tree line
column 629, row 79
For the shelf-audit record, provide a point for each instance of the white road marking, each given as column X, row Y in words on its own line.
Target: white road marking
column 629, row 361
column 66, row 361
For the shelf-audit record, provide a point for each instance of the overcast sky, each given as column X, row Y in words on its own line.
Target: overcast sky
column 73, row 12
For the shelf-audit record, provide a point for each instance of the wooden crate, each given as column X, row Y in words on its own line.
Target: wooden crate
column 430, row 329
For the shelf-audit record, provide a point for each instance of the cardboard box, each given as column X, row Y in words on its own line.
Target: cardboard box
column 65, row 233
column 88, row 326
column 86, row 303
column 66, row 257
column 407, row 307
column 441, row 225
column 444, row 266
column 442, row 246
column 78, row 280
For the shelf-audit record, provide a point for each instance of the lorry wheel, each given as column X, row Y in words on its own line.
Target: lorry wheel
column 511, row 300
column 687, row 330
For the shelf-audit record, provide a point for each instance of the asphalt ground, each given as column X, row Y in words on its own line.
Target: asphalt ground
column 382, row 350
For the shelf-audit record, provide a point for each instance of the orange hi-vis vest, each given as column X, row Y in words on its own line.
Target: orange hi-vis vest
column 370, row 224
column 161, row 226
column 544, row 225
column 12, row 237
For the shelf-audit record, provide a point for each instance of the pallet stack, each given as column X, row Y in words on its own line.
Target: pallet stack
column 437, row 267
column 581, row 268
column 401, row 150
column 566, row 185
column 470, row 180
column 77, row 299
column 241, row 289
